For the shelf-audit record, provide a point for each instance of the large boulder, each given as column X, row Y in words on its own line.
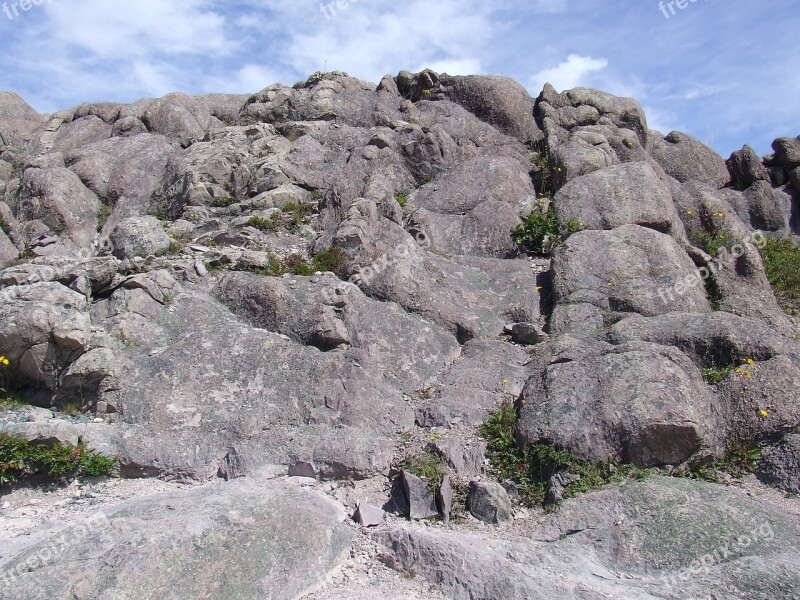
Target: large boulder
column 780, row 465
column 659, row 538
column 599, row 275
column 279, row 540
column 685, row 158
column 637, row 402
column 500, row 101
column 139, row 236
column 630, row 193
column 746, row 167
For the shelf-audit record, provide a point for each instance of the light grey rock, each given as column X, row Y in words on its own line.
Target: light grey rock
column 642, row 271
column 420, row 498
column 444, row 499
column 489, row 502
column 280, row 540
column 657, row 539
column 368, row 515
column 139, row 236
column 59, row 199
column 466, row 460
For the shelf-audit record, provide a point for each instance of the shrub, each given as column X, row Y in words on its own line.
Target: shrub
column 782, row 265
column 712, row 243
column 713, row 375
column 530, row 469
column 20, row 459
column 334, row 259
column 539, row 233
column 426, row 466
column 262, row 224
column 223, row 202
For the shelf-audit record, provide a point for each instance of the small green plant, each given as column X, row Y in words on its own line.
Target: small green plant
column 72, row 410
column 5, row 227
column 223, row 202
column 402, row 199
column 102, row 215
column 20, row 459
column 782, row 264
column 741, row 459
column 540, row 233
column 530, row 469
column 160, row 213
column 262, row 224
column 426, row 466
column 712, row 243
column 10, row 400
column 714, row 375
column 334, row 259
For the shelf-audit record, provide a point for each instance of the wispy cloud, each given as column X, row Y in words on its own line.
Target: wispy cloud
column 569, row 74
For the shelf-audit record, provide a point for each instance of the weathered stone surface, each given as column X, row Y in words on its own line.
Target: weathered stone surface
column 489, row 502
column 746, row 167
column 139, row 236
column 626, row 194
column 368, row 515
column 618, row 406
column 419, row 497
column 685, row 159
column 641, row 271
column 660, row 538
column 780, row 465
column 279, row 540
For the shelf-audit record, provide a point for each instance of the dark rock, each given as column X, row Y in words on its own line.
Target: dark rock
column 489, row 502
column 779, row 465
column 746, row 167
column 420, row 498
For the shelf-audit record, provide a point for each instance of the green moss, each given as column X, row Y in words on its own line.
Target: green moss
column 782, row 265
column 20, row 459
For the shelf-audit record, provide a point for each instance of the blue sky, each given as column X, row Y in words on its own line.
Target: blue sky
column 722, row 71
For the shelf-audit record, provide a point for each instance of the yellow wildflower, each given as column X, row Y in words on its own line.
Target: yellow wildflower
column 748, row 374
column 3, row 360
column 764, row 413
column 750, row 361
column 689, row 212
column 505, row 381
column 738, row 369
column 538, row 288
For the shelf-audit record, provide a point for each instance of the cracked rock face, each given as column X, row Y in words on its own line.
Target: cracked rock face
column 321, row 279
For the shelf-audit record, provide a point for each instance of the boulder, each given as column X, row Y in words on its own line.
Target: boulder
column 779, row 465
column 746, row 167
column 139, row 236
column 625, row 194
column 489, row 502
column 685, row 159
column 281, row 540
column 617, row 405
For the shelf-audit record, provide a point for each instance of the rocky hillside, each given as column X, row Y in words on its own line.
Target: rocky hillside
column 346, row 341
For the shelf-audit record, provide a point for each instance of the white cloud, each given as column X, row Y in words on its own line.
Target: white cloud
column 568, row 74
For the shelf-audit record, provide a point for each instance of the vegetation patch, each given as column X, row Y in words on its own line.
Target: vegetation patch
column 332, row 260
column 714, row 375
column 741, row 459
column 712, row 243
column 20, row 459
column 5, row 227
column 266, row 225
column 223, row 202
column 782, row 265
column 426, row 466
column 540, row 232
column 402, row 199
column 530, row 469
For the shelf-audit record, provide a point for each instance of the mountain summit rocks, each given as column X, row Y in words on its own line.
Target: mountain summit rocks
column 320, row 280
